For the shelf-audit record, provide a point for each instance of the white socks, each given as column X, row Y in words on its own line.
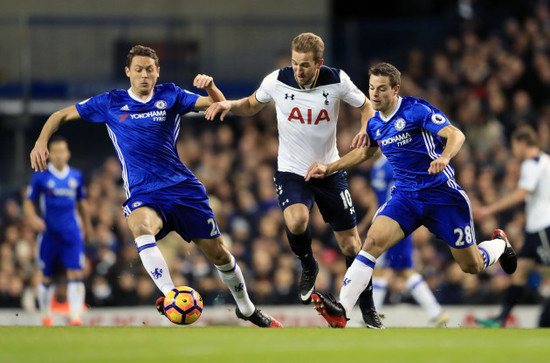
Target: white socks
column 379, row 290
column 232, row 277
column 154, row 262
column 45, row 295
column 75, row 296
column 356, row 280
column 156, row 266
column 491, row 250
column 421, row 292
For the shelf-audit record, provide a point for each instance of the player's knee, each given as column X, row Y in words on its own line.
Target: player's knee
column 373, row 246
column 350, row 247
column 142, row 228
column 297, row 224
column 216, row 252
column 471, row 267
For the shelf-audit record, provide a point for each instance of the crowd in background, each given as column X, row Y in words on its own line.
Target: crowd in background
column 486, row 82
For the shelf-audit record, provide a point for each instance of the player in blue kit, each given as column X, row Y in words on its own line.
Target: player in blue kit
column 408, row 131
column 59, row 191
column 163, row 195
column 398, row 259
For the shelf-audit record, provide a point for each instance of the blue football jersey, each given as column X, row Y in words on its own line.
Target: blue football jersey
column 57, row 193
column 408, row 138
column 144, row 134
column 382, row 179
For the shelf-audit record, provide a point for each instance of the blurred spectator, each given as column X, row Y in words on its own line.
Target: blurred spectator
column 487, row 81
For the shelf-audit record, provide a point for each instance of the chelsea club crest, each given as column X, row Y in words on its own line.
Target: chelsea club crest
column 161, row 105
column 399, row 124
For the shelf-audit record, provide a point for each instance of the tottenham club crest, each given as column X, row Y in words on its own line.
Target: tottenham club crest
column 161, row 105
column 400, row 124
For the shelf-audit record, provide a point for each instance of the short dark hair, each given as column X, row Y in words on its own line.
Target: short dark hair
column 57, row 138
column 386, row 70
column 140, row 50
column 526, row 133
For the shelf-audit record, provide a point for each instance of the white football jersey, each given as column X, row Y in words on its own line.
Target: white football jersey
column 307, row 118
column 535, row 174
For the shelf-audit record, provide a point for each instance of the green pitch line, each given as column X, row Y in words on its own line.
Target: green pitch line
column 248, row 344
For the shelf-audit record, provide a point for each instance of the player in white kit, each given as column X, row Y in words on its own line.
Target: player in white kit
column 533, row 188
column 307, row 97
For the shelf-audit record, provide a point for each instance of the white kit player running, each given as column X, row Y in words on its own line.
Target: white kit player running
column 307, row 98
column 163, row 195
column 532, row 189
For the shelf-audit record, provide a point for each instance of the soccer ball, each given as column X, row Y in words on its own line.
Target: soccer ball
column 183, row 305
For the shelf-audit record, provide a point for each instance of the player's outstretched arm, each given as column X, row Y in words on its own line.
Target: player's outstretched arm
column 247, row 106
column 505, row 202
column 455, row 139
column 39, row 154
column 362, row 139
column 206, row 83
column 351, row 159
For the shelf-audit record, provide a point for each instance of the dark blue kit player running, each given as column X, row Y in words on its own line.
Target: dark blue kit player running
column 62, row 224
column 163, row 195
column 408, row 131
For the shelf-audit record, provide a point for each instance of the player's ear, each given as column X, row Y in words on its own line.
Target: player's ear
column 127, row 70
column 397, row 88
column 320, row 63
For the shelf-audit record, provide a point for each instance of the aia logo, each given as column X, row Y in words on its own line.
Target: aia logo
column 157, row 274
column 307, row 116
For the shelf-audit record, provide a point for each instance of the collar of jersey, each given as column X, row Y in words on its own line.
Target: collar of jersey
column 395, row 109
column 59, row 174
column 136, row 98
column 313, row 84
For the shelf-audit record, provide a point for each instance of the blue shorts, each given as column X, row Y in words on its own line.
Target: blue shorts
column 57, row 249
column 183, row 208
column 398, row 256
column 331, row 195
column 445, row 210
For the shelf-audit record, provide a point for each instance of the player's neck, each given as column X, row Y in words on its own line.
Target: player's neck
column 60, row 173
column 391, row 107
column 140, row 97
column 532, row 152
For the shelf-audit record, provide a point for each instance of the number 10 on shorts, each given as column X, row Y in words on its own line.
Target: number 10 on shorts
column 346, row 199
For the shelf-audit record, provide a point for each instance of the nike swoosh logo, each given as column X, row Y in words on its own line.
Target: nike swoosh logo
column 308, row 295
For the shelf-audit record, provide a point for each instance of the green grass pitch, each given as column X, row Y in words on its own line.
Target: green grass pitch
column 249, row 344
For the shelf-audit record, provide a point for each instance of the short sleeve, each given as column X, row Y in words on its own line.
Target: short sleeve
column 264, row 92
column 94, row 109
column 530, row 174
column 350, row 93
column 431, row 119
column 185, row 101
column 34, row 188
